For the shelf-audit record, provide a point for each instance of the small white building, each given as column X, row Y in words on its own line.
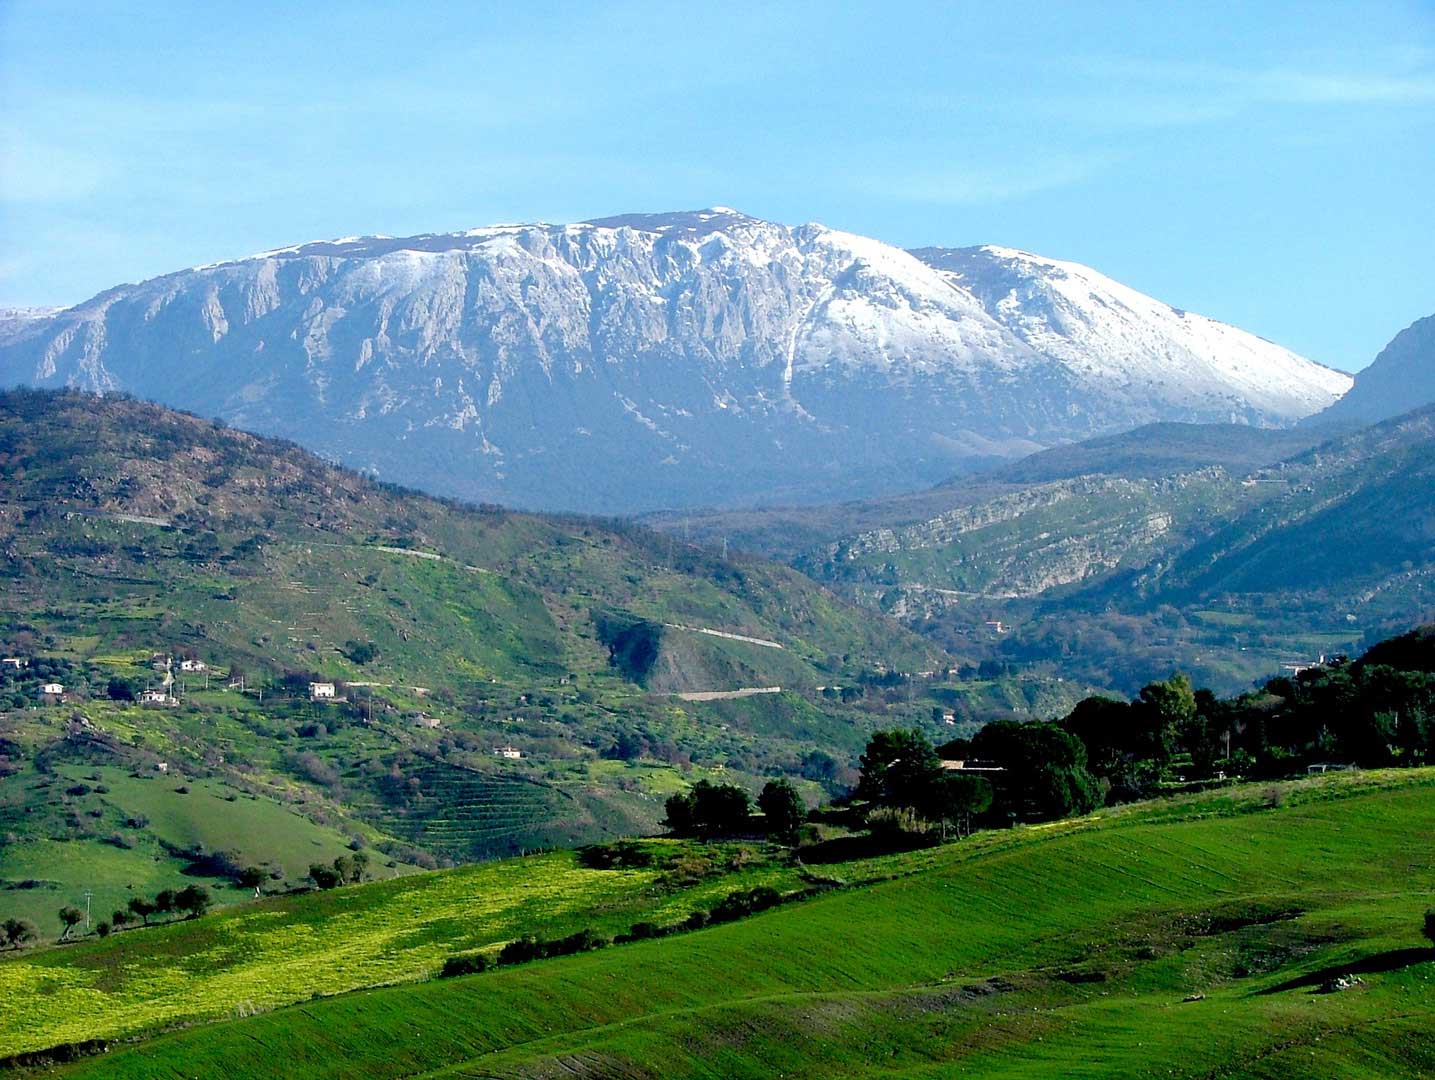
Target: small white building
column 322, row 691
column 508, row 752
column 972, row 766
column 193, row 665
column 53, row 689
column 16, row 662
column 427, row 721
column 155, row 697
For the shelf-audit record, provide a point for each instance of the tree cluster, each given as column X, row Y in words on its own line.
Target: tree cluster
column 901, row 771
column 709, row 811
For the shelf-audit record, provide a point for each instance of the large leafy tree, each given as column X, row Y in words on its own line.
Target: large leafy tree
column 899, row 768
column 709, row 810
column 782, row 809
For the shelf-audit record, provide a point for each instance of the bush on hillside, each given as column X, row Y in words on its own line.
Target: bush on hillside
column 622, row 855
column 471, row 964
column 740, row 904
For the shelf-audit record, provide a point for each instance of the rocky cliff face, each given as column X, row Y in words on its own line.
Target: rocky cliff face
column 659, row 360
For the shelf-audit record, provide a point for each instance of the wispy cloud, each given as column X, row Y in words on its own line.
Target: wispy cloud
column 976, row 185
column 1158, row 93
column 1331, row 88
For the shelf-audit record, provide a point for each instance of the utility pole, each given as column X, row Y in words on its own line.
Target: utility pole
column 88, row 894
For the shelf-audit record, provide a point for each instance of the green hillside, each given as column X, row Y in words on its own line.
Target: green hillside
column 135, row 540
column 1181, row 938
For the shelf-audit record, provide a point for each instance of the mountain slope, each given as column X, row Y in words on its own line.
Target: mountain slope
column 1224, row 574
column 1148, row 453
column 661, row 360
column 130, row 533
column 1401, row 378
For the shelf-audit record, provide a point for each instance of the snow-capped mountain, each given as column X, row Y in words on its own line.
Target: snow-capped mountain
column 1120, row 343
column 662, row 360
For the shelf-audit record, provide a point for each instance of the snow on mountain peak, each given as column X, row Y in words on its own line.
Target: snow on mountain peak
column 556, row 365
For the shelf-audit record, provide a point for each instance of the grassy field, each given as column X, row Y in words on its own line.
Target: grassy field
column 287, row 949
column 1069, row 949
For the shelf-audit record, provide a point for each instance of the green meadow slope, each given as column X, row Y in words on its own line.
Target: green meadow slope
column 1180, row 938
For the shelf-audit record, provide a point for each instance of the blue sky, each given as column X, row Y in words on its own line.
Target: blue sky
column 1269, row 164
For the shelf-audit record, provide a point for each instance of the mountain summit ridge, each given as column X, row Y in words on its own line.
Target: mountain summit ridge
column 658, row 360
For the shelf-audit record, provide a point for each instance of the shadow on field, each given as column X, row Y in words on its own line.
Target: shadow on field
column 1376, row 964
column 848, row 848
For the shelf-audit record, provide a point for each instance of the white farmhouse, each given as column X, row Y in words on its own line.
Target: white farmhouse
column 322, row 691
column 53, row 689
column 508, row 752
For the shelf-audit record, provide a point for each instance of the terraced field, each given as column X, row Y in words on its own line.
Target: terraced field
column 1181, row 938
column 470, row 815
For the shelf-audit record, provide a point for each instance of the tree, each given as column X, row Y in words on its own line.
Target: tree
column 164, row 901
column 119, row 918
column 69, row 917
column 898, row 768
column 194, row 900
column 102, row 928
column 678, row 815
column 323, row 877
column 119, row 689
column 361, row 865
column 708, row 810
column 252, row 877
column 16, row 932
column 344, row 870
column 360, row 652
column 783, row 810
column 138, row 905
column 1168, row 707
column 960, row 797
column 1429, row 928
column 1044, row 769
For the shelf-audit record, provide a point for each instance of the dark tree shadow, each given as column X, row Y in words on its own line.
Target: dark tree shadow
column 1375, row 964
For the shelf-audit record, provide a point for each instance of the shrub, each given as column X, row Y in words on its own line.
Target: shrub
column 899, row 826
column 623, row 855
column 520, row 950
column 738, row 905
column 471, row 964
column 585, row 940
column 1429, row 928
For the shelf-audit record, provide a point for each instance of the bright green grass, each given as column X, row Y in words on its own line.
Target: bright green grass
column 209, row 815
column 65, row 869
column 972, row 963
column 213, row 816
column 286, row 949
